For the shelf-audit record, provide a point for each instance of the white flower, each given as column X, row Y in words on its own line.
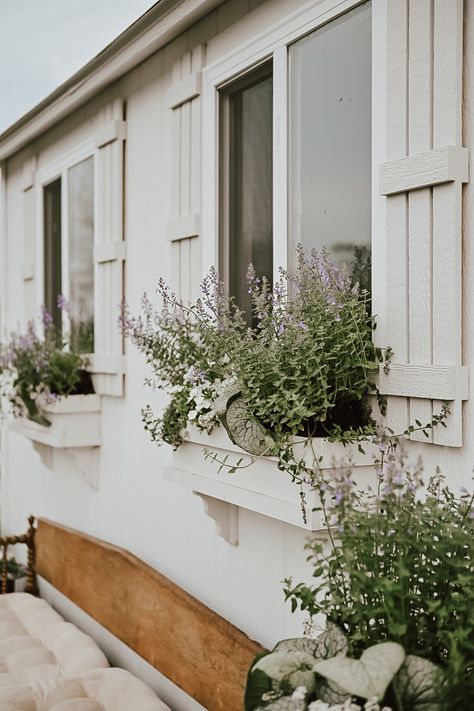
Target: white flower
column 192, row 415
column 318, row 706
column 299, row 693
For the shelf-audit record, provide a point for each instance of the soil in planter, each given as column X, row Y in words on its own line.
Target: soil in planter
column 84, row 386
column 348, row 413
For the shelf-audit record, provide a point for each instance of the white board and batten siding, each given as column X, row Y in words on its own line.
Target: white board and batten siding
column 184, row 225
column 28, row 266
column 422, row 180
column 108, row 361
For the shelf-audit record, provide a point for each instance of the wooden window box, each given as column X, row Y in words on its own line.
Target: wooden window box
column 261, row 487
column 75, row 428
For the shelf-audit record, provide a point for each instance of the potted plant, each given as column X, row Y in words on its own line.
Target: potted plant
column 36, row 370
column 286, row 383
column 47, row 393
column 393, row 578
column 15, row 571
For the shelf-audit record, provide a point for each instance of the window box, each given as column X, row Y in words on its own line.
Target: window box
column 75, row 429
column 261, row 487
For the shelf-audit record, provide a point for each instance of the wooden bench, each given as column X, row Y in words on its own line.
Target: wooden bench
column 201, row 652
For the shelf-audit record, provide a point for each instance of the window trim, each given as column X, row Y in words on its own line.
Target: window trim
column 45, row 176
column 272, row 45
column 262, row 71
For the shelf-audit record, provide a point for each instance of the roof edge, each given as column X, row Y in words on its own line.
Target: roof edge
column 158, row 26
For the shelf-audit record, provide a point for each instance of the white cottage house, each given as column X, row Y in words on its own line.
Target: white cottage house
column 218, row 133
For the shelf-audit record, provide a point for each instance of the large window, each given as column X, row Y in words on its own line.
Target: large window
column 330, row 139
column 246, row 181
column 68, row 251
column 311, row 183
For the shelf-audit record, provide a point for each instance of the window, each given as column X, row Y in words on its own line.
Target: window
column 52, row 249
column 68, row 251
column 311, row 183
column 330, row 140
column 246, row 181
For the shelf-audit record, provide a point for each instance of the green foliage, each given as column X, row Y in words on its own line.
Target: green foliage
column 398, row 566
column 35, row 369
column 185, row 365
column 303, row 368
column 14, row 569
column 308, row 359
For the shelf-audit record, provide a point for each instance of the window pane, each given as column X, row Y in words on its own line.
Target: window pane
column 249, row 176
column 330, row 140
column 52, row 249
column 81, row 245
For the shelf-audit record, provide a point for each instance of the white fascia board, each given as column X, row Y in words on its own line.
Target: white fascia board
column 164, row 21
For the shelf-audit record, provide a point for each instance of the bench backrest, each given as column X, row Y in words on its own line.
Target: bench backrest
column 193, row 646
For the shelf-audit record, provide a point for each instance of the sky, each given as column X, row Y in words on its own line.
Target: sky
column 44, row 42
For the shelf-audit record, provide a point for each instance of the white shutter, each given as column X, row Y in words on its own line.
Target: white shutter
column 422, row 180
column 29, row 239
column 184, row 227
column 107, row 363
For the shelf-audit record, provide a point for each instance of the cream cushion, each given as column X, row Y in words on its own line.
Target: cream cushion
column 97, row 690
column 36, row 643
column 47, row 664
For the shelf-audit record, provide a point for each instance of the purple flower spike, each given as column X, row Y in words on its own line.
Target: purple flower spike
column 46, row 317
column 62, row 302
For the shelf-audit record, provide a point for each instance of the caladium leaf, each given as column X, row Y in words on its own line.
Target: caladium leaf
column 286, row 703
column 331, row 642
column 367, row 677
column 221, row 403
column 294, row 667
column 258, row 684
column 245, row 431
column 416, row 684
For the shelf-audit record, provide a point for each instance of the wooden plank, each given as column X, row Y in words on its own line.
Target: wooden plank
column 447, row 204
column 195, row 157
column 175, row 269
column 109, row 364
column 113, row 131
column 185, row 159
column 425, row 381
column 184, row 227
column 397, row 205
column 440, row 165
column 185, row 269
column 419, row 202
column 197, row 649
column 187, row 89
column 195, row 258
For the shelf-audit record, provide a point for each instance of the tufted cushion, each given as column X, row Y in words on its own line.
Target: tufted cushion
column 47, row 664
column 33, row 635
column 97, row 690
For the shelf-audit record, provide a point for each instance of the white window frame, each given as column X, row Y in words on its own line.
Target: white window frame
column 273, row 45
column 45, row 176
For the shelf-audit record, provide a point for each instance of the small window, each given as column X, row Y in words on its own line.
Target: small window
column 246, row 119
column 52, row 250
column 330, row 141
column 68, row 252
column 81, row 254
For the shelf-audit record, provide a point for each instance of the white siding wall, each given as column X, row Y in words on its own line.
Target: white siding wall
column 135, row 507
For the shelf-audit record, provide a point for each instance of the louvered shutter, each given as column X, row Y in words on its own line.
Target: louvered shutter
column 107, row 363
column 29, row 239
column 184, row 227
column 422, row 179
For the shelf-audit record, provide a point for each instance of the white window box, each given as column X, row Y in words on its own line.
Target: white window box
column 75, row 429
column 261, row 487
